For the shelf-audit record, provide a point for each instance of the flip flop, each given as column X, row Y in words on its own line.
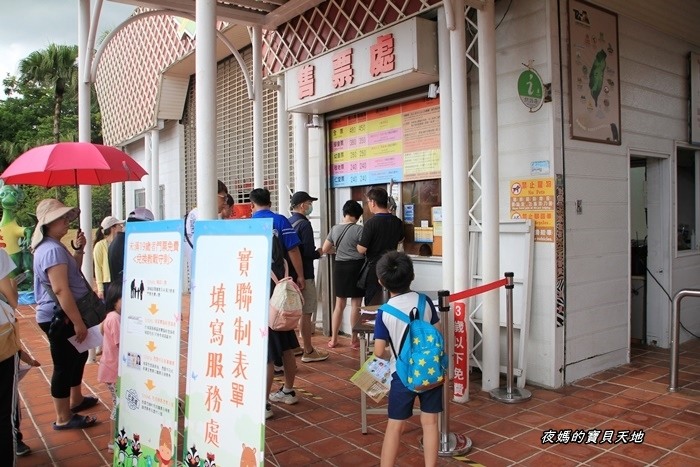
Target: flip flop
column 356, row 345
column 332, row 345
column 77, row 422
column 87, row 403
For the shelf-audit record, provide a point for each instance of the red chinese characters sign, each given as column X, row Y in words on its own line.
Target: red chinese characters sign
column 382, row 58
column 306, row 82
column 461, row 353
column 228, row 339
column 342, row 68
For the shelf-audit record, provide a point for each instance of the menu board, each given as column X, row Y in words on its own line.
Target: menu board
column 149, row 348
column 227, row 353
column 396, row 143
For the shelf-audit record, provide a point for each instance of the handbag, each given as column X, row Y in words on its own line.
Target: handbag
column 91, row 308
column 362, row 277
column 61, row 327
column 9, row 333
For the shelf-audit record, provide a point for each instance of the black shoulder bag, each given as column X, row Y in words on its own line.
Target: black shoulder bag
column 92, row 310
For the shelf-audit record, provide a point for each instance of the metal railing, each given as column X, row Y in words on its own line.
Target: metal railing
column 675, row 333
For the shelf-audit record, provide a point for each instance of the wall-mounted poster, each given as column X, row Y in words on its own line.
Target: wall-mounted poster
column 594, row 70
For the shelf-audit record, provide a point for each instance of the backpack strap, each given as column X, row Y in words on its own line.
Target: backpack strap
column 286, row 273
column 395, row 312
column 400, row 315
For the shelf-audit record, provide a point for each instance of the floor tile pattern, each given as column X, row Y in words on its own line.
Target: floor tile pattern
column 324, row 427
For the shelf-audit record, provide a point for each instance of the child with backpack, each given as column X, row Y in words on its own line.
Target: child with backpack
column 404, row 331
column 109, row 363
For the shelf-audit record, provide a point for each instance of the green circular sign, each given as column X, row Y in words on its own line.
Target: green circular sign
column 530, row 89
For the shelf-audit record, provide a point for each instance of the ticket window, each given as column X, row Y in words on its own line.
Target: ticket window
column 420, row 204
column 419, row 207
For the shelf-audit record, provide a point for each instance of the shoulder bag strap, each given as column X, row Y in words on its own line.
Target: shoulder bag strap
column 340, row 239
column 10, row 319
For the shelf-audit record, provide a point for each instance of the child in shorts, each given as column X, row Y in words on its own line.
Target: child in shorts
column 395, row 273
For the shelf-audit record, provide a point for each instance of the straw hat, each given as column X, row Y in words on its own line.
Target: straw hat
column 47, row 211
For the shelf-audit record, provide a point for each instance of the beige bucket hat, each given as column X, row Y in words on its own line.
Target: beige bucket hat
column 47, row 211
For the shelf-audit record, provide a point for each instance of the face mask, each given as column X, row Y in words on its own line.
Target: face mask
column 309, row 210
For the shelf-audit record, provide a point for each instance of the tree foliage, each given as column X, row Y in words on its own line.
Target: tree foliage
column 41, row 107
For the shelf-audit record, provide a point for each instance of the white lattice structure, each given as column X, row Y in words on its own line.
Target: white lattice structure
column 129, row 72
column 333, row 24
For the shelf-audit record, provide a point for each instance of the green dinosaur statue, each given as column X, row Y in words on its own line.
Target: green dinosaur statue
column 14, row 238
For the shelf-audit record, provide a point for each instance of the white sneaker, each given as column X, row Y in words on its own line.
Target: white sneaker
column 289, row 398
column 268, row 411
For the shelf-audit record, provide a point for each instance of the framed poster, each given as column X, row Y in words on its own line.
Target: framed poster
column 694, row 98
column 594, row 71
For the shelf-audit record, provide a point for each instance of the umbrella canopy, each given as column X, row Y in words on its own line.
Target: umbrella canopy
column 64, row 164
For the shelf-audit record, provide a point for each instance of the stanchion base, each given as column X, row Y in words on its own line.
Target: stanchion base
column 457, row 444
column 516, row 395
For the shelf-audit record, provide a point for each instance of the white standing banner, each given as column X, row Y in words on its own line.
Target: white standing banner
column 227, row 353
column 149, row 346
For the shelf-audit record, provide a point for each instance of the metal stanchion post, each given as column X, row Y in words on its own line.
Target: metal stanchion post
column 510, row 395
column 451, row 444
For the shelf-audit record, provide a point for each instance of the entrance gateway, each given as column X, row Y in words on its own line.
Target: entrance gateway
column 650, row 247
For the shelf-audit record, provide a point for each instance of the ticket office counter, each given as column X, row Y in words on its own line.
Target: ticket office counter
column 418, row 205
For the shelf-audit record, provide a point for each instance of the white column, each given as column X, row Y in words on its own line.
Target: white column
column 489, row 190
column 282, row 146
column 460, row 150
column 258, row 174
column 155, row 168
column 446, row 164
column 147, row 180
column 301, row 153
column 117, row 203
column 85, row 191
column 448, row 262
column 205, row 67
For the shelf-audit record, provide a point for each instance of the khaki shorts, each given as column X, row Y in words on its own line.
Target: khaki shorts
column 310, row 297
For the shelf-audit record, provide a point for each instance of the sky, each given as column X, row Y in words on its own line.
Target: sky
column 29, row 25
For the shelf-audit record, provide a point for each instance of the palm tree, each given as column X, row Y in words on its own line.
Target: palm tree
column 55, row 67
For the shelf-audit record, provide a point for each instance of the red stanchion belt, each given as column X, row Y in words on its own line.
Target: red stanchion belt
column 478, row 290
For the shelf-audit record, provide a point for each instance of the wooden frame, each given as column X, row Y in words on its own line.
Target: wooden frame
column 594, row 73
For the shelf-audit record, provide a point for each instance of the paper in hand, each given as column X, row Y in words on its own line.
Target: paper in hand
column 93, row 339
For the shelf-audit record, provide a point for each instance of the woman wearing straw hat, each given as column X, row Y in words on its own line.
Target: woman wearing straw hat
column 56, row 269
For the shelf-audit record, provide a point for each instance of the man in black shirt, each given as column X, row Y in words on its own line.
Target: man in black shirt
column 381, row 233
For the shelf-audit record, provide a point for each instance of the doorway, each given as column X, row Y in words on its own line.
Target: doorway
column 650, row 248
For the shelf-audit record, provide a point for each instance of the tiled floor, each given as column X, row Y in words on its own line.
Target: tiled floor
column 324, row 427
